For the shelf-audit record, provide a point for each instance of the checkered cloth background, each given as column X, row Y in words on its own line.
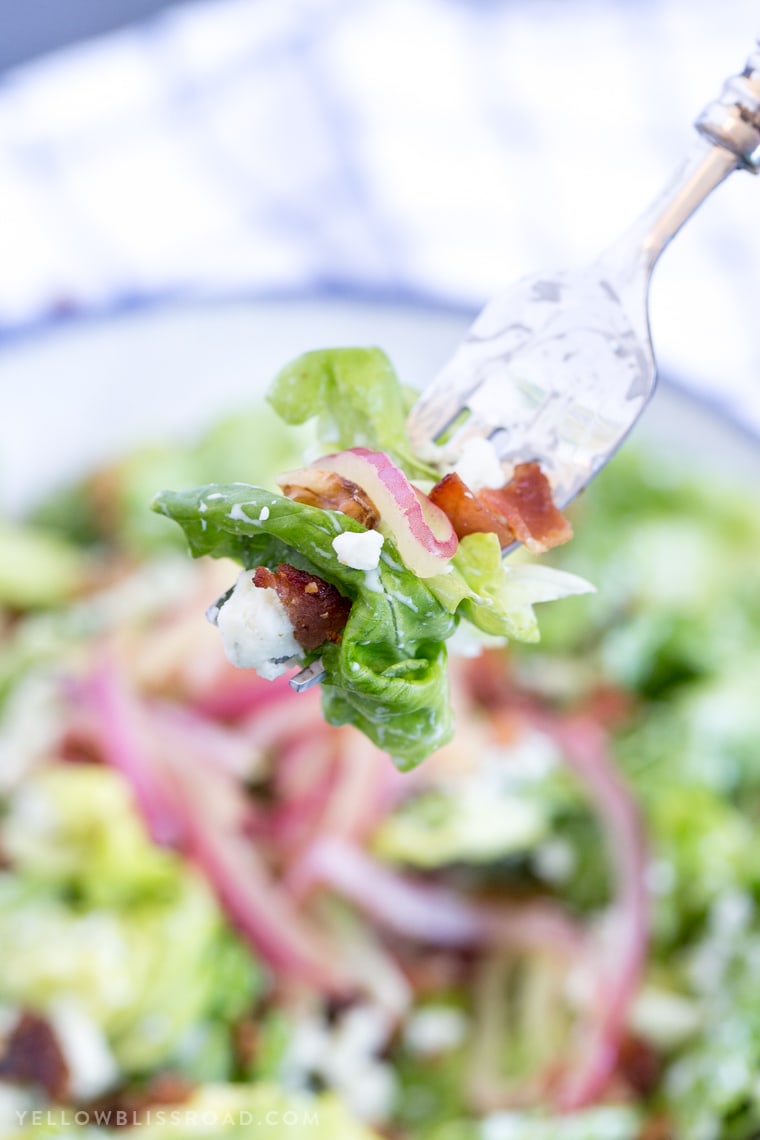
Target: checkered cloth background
column 407, row 148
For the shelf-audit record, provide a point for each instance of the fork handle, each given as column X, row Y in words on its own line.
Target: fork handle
column 730, row 139
column 732, row 120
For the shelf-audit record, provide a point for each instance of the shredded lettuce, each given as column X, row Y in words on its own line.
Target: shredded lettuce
column 472, row 824
column 94, row 911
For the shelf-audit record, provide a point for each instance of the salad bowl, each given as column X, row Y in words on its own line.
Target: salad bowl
column 220, row 917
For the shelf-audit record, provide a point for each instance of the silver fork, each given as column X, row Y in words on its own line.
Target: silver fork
column 558, row 368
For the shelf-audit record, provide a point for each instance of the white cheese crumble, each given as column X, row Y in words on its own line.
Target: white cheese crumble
column 92, row 1066
column 346, row 1057
column 435, row 1029
column 479, row 466
column 555, row 861
column 256, row 630
column 359, row 551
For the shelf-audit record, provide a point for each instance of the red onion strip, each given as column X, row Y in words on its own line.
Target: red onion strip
column 584, row 747
column 204, row 810
column 121, row 737
column 425, row 538
column 365, row 787
column 240, row 692
column 187, row 731
column 216, row 841
column 429, row 913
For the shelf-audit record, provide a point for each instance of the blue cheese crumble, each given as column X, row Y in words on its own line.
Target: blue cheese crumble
column 256, row 630
column 359, row 551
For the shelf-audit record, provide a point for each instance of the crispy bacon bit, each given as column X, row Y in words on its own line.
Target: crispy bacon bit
column 316, row 610
column 639, row 1064
column 467, row 513
column 521, row 511
column 330, row 491
column 32, row 1055
column 526, row 503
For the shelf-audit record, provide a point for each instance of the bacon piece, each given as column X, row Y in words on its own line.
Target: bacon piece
column 523, row 510
column 468, row 515
column 330, row 491
column 317, row 611
column 527, row 505
column 639, row 1064
column 32, row 1055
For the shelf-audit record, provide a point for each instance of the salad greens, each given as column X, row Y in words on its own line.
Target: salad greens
column 85, row 919
column 387, row 675
column 147, row 959
column 356, row 398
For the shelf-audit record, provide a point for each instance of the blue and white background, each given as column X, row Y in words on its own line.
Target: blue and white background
column 421, row 149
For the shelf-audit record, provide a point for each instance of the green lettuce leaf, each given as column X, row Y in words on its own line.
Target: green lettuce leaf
column 497, row 596
column 357, row 398
column 387, row 675
column 37, row 568
column 711, row 1088
column 73, row 827
column 463, row 824
column 94, row 914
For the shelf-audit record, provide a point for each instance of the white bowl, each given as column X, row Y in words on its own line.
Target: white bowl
column 81, row 392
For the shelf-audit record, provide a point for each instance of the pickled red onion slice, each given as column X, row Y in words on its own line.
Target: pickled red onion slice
column 425, row 538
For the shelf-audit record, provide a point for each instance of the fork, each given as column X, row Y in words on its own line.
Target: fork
column 558, row 368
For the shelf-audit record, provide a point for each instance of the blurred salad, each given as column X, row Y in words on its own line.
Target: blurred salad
column 221, row 916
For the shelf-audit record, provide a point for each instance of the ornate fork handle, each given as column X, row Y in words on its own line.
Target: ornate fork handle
column 733, row 119
column 730, row 140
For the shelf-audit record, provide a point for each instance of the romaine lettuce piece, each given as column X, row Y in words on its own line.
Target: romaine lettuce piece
column 387, row 675
column 497, row 596
column 357, row 398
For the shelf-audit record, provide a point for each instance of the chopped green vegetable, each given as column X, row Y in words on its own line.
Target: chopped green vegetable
column 94, row 911
column 37, row 568
column 357, row 398
column 387, row 675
